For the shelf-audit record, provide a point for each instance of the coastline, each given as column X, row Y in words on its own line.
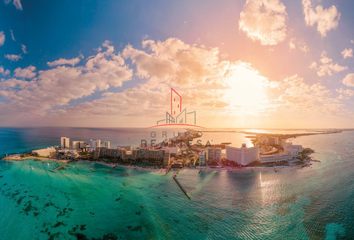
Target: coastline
column 164, row 170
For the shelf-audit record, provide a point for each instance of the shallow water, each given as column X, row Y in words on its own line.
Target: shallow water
column 88, row 200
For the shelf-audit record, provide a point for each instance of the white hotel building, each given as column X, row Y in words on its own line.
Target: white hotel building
column 79, row 144
column 65, row 142
column 243, row 155
column 276, row 158
column 95, row 143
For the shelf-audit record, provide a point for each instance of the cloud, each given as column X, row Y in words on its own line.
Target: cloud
column 326, row 19
column 3, row 72
column 349, row 80
column 300, row 44
column 59, row 85
column 17, row 3
column 215, row 88
column 305, row 99
column 347, row 53
column 264, row 20
column 327, row 66
column 63, row 61
column 345, row 94
column 25, row 73
column 174, row 60
column 291, row 44
column 13, row 57
column 23, row 47
column 12, row 36
column 2, row 38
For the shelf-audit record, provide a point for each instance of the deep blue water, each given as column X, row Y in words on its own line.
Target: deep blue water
column 89, row 200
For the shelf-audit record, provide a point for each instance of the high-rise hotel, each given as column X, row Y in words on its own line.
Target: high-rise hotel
column 243, row 155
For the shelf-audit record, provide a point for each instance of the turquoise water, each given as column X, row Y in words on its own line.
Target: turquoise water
column 91, row 201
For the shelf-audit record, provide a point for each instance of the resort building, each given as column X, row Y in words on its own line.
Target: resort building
column 166, row 158
column 214, row 154
column 294, row 150
column 202, row 159
column 128, row 147
column 273, row 141
column 173, row 150
column 109, row 153
column 65, row 142
column 95, row 143
column 276, row 158
column 45, row 152
column 243, row 155
column 79, row 144
column 107, row 144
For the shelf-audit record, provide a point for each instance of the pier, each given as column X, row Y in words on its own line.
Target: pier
column 178, row 183
column 168, row 170
column 54, row 170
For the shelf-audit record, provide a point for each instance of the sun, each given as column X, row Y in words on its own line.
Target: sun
column 246, row 87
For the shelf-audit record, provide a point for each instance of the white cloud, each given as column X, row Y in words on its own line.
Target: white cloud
column 345, row 94
column 264, row 20
column 2, row 38
column 174, row 60
column 304, row 99
column 3, row 72
column 326, row 19
column 63, row 61
column 13, row 57
column 23, row 47
column 327, row 66
column 12, row 35
column 313, row 65
column 57, row 86
column 291, row 44
column 212, row 86
column 25, row 73
column 17, row 3
column 347, row 53
column 300, row 44
column 349, row 80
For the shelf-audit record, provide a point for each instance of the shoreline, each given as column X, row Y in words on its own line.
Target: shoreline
column 164, row 170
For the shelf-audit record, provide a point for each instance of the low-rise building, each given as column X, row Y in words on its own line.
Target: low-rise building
column 45, row 152
column 243, row 155
column 127, row 147
column 175, row 151
column 273, row 141
column 276, row 158
column 294, row 150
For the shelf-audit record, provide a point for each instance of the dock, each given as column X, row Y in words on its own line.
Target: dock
column 168, row 170
column 179, row 184
column 54, row 170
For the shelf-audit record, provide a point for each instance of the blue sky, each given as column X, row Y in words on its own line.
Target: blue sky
column 208, row 36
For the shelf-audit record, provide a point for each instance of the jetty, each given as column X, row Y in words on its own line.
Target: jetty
column 168, row 170
column 179, row 184
column 54, row 170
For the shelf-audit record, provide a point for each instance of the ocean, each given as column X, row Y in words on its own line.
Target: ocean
column 92, row 201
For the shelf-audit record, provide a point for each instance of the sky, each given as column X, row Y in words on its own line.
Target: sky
column 238, row 64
